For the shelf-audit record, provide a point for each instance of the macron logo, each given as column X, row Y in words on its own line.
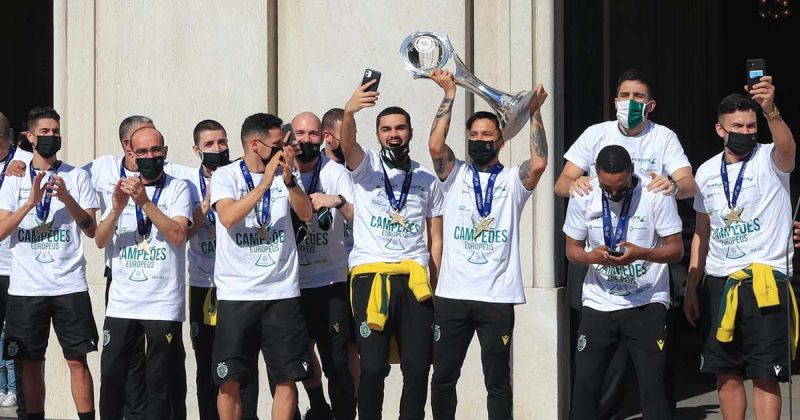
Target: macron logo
column 777, row 369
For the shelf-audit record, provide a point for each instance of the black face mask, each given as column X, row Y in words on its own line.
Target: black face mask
column 310, row 152
column 151, row 168
column 274, row 150
column 338, row 154
column 395, row 157
column 481, row 152
column 741, row 144
column 214, row 160
column 48, row 146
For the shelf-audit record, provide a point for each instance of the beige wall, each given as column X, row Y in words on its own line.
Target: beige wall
column 183, row 61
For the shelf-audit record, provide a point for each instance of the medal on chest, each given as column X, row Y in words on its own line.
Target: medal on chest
column 484, row 204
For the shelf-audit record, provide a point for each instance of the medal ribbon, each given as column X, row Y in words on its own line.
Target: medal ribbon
column 312, row 186
column 622, row 221
column 212, row 216
column 11, row 151
column 263, row 218
column 143, row 224
column 396, row 204
column 484, row 205
column 43, row 207
column 737, row 188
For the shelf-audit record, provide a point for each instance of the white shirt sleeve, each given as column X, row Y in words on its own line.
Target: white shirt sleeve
column 363, row 170
column 674, row 157
column 435, row 200
column 581, row 152
column 665, row 215
column 182, row 202
column 344, row 186
column 575, row 221
column 450, row 180
column 8, row 194
column 86, row 197
column 222, row 186
column 521, row 194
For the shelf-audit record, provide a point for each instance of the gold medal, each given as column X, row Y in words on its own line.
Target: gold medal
column 735, row 215
column 144, row 245
column 396, row 217
column 262, row 231
column 43, row 228
column 483, row 225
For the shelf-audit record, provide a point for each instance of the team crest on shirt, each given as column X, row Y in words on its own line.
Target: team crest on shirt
column 364, row 330
column 106, row 337
column 13, row 348
column 437, row 332
column 194, row 329
column 222, row 370
column 581, row 342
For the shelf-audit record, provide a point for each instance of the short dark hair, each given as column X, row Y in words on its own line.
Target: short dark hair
column 206, row 125
column 331, row 117
column 259, row 123
column 613, row 160
column 126, row 126
column 639, row 76
column 5, row 127
column 392, row 110
column 485, row 115
column 736, row 102
column 41, row 113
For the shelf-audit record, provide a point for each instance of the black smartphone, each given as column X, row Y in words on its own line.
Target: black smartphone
column 370, row 74
column 287, row 128
column 616, row 253
column 756, row 68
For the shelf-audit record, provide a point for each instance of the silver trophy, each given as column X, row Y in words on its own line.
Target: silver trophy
column 424, row 52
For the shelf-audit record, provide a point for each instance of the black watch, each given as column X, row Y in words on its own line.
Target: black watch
column 341, row 203
column 292, row 183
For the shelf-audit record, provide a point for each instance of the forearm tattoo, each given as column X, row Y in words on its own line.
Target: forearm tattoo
column 443, row 114
column 538, row 136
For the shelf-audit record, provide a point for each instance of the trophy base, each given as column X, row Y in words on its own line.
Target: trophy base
column 515, row 114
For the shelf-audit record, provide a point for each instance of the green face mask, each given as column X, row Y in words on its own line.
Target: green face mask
column 630, row 113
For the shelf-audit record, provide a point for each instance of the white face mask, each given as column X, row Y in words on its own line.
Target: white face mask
column 630, row 113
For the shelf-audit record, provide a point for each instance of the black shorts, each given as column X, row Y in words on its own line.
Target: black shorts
column 28, row 323
column 327, row 310
column 760, row 338
column 276, row 327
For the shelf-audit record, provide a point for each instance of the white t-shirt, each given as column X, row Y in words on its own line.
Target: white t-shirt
column 376, row 238
column 322, row 256
column 249, row 266
column 5, row 251
column 105, row 171
column 656, row 149
column 49, row 263
column 763, row 235
column 652, row 216
column 203, row 245
column 486, row 268
column 149, row 284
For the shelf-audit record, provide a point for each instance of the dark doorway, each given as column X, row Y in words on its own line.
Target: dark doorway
column 695, row 51
column 26, row 45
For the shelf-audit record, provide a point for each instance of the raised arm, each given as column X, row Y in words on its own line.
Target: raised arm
column 353, row 153
column 441, row 154
column 784, row 152
column 531, row 170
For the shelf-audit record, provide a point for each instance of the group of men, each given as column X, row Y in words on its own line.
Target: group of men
column 295, row 247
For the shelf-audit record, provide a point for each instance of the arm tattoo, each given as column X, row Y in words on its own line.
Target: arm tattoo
column 524, row 170
column 538, row 137
column 443, row 114
column 440, row 164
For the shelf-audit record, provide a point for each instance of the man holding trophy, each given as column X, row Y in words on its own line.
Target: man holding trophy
column 481, row 279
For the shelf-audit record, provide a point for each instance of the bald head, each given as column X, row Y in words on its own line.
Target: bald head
column 307, row 128
column 146, row 137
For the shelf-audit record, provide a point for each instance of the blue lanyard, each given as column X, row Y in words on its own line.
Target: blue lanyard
column 122, row 173
column 263, row 218
column 484, row 205
column 43, row 207
column 737, row 188
column 143, row 224
column 212, row 217
column 622, row 221
column 11, row 151
column 396, row 204
column 312, row 186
